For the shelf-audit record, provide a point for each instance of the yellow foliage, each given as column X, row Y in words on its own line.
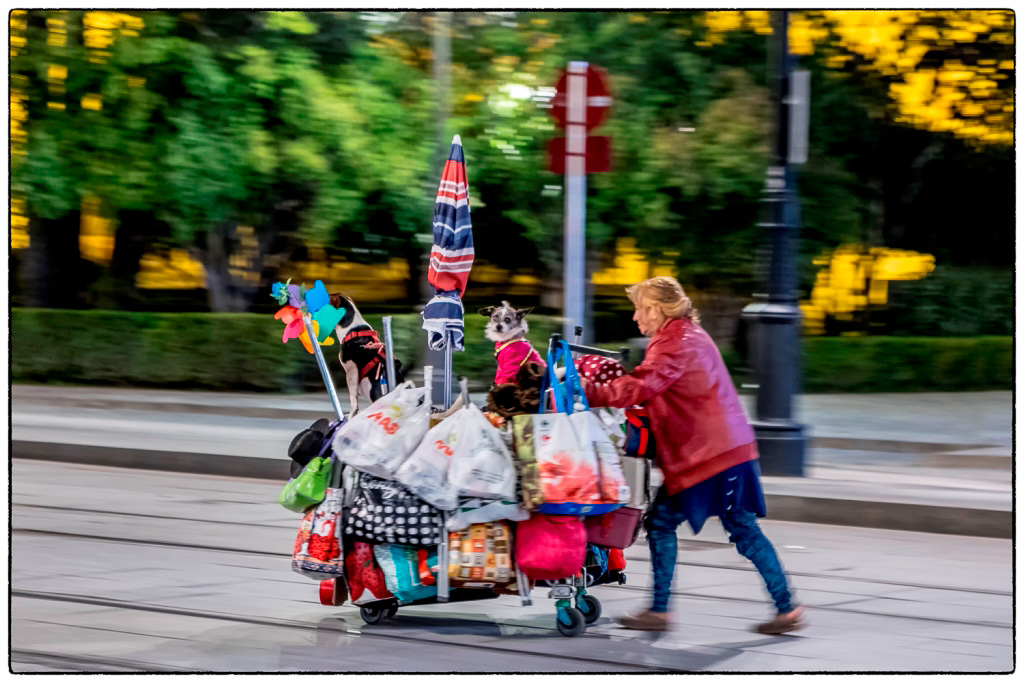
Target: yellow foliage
column 894, row 42
column 853, row 277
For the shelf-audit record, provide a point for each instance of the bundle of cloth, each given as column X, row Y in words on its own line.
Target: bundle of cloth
column 521, row 397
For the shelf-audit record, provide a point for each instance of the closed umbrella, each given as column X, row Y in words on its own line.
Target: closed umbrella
column 451, row 260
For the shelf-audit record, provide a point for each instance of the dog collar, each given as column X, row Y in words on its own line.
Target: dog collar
column 361, row 331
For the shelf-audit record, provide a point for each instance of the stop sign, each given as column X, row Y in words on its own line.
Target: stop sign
column 598, row 103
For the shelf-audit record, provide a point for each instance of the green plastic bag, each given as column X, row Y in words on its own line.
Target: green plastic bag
column 309, row 488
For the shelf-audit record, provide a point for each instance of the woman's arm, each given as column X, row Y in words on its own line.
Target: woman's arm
column 665, row 363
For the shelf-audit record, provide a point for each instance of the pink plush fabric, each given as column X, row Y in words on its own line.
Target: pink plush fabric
column 511, row 356
column 551, row 546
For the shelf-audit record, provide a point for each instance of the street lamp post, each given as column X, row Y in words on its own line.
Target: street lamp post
column 774, row 319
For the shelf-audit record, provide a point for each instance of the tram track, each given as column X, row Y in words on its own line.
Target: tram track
column 686, row 561
column 341, row 629
column 91, row 664
column 628, row 588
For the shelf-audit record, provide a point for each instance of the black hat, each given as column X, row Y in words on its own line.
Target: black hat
column 308, row 443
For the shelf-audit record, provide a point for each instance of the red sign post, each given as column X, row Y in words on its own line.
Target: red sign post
column 581, row 104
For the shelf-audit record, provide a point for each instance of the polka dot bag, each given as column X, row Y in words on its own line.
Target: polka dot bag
column 384, row 511
column 599, row 369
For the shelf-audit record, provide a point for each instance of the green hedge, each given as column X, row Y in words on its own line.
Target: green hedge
column 860, row 364
column 239, row 351
column 243, row 352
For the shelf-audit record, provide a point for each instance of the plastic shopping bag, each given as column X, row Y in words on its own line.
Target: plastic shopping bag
column 317, row 551
column 568, row 464
column 479, row 511
column 379, row 439
column 409, row 573
column 573, row 466
column 482, row 466
column 612, row 486
column 425, row 472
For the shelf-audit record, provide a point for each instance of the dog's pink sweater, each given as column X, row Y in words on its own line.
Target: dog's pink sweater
column 511, row 356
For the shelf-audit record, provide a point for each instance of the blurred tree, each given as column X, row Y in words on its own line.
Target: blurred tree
column 248, row 135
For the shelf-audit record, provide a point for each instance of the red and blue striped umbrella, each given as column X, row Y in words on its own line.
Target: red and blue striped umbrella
column 451, row 258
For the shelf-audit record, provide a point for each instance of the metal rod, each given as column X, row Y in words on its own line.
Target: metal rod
column 428, row 384
column 621, row 354
column 442, row 560
column 322, row 364
column 447, row 398
column 523, row 584
column 389, row 350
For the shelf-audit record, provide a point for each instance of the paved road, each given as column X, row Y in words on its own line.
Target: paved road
column 120, row 570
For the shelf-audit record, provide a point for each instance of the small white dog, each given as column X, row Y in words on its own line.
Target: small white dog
column 507, row 328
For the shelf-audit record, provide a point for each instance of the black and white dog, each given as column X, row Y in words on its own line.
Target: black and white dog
column 362, row 354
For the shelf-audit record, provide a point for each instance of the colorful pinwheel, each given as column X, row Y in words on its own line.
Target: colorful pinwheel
column 300, row 303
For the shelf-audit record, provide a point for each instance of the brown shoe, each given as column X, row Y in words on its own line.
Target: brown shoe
column 784, row 623
column 647, row 621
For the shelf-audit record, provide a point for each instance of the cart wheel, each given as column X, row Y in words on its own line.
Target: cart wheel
column 390, row 611
column 570, row 622
column 590, row 607
column 332, row 593
column 373, row 615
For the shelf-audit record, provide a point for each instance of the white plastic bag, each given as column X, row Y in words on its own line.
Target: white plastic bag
column 482, row 465
column 425, row 472
column 612, row 481
column 576, row 462
column 478, row 511
column 378, row 440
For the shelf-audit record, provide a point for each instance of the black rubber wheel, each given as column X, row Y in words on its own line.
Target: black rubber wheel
column 373, row 615
column 390, row 611
column 575, row 624
column 591, row 608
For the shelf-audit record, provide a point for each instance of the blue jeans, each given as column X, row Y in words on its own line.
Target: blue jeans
column 751, row 543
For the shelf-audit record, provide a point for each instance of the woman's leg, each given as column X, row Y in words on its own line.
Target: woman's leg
column 661, row 525
column 753, row 545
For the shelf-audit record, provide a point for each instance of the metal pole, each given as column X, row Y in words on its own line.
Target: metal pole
column 322, row 364
column 447, row 397
column 574, row 275
column 774, row 318
column 441, row 40
column 389, row 349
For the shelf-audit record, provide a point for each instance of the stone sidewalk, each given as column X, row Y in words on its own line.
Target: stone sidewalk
column 920, row 462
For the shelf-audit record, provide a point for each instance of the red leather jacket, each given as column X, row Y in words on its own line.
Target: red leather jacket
column 696, row 416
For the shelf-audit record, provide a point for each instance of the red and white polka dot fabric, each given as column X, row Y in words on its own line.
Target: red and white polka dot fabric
column 599, row 369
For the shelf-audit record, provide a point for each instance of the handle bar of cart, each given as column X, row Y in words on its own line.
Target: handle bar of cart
column 621, row 355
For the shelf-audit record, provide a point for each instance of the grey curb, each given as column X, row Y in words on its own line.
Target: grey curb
column 790, row 508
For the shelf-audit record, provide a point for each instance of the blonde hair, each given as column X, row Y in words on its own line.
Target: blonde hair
column 667, row 293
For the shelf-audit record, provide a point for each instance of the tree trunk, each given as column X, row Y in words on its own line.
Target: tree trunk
column 225, row 293
column 136, row 232
column 277, row 240
column 52, row 268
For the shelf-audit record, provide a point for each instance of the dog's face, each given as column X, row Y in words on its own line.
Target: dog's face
column 505, row 322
